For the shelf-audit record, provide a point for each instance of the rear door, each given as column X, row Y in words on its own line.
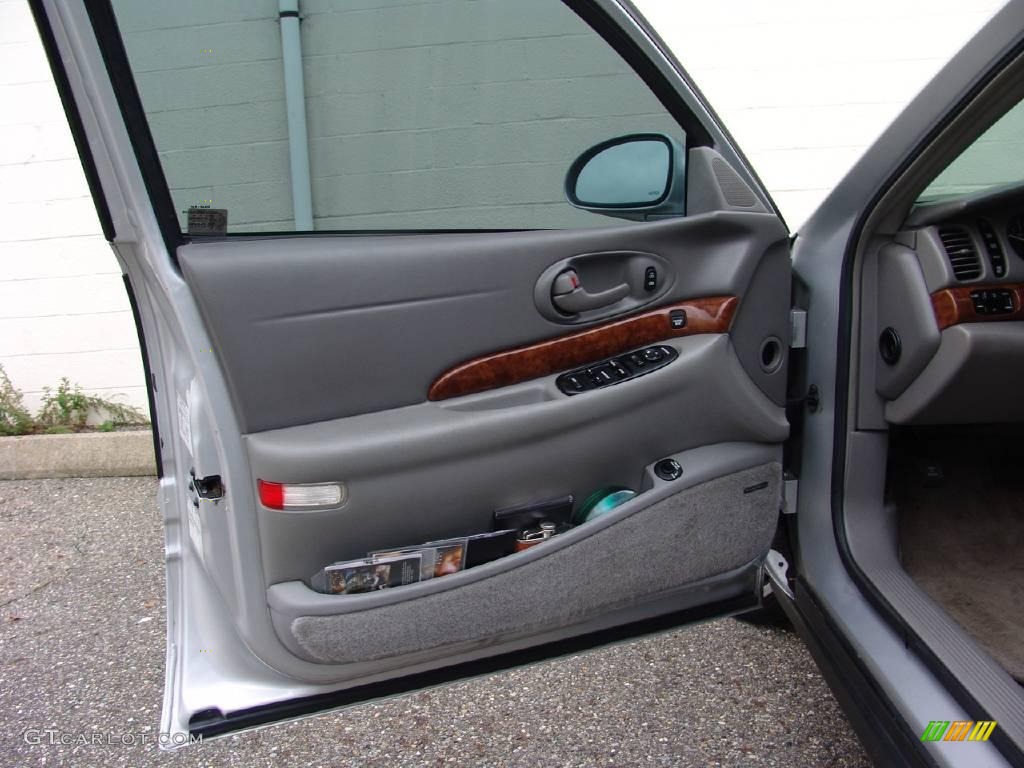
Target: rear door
column 372, row 318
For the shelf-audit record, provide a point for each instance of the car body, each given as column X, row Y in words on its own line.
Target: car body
column 429, row 348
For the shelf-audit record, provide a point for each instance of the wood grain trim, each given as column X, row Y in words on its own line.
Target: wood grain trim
column 953, row 306
column 705, row 315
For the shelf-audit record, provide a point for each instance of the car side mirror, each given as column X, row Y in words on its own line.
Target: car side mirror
column 638, row 177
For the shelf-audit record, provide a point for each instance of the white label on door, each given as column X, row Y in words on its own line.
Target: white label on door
column 195, row 529
column 185, row 422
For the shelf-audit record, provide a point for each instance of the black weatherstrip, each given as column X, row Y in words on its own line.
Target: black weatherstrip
column 104, row 25
column 886, row 736
column 842, row 395
column 216, row 724
column 60, row 77
column 150, row 381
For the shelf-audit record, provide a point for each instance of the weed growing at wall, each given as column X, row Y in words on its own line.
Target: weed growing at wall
column 14, row 419
column 64, row 409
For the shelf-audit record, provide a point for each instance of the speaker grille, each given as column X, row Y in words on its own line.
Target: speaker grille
column 735, row 191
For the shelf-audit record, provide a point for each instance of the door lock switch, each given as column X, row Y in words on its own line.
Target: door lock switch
column 677, row 319
column 650, row 279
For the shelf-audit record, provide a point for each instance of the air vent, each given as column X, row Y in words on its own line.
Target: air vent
column 963, row 258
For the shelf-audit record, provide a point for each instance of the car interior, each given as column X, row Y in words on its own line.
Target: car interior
column 932, row 512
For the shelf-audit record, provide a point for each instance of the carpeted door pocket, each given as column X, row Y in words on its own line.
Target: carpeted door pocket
column 638, row 551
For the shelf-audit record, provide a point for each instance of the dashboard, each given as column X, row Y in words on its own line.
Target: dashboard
column 949, row 314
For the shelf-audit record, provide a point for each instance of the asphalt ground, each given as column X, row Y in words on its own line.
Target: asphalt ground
column 82, row 650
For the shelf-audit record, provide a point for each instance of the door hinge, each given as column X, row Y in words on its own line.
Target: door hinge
column 797, row 328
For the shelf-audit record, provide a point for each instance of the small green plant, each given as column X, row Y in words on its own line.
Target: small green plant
column 65, row 409
column 68, row 406
column 14, row 418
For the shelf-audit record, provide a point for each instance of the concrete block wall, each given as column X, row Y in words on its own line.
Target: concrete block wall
column 63, row 307
column 804, row 86
column 442, row 114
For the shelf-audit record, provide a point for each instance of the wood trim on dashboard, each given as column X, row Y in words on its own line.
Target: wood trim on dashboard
column 704, row 315
column 953, row 306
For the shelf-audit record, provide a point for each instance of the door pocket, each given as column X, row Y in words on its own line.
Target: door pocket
column 647, row 547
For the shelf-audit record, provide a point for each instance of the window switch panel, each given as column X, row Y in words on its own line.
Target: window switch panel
column 616, row 370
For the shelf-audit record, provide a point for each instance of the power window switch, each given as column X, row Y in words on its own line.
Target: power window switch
column 575, row 383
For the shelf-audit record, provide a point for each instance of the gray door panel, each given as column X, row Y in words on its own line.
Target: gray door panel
column 331, row 344
column 319, row 328
column 434, row 470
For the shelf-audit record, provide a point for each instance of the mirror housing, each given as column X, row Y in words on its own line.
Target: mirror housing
column 640, row 176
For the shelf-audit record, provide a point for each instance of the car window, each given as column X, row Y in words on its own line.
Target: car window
column 992, row 160
column 444, row 114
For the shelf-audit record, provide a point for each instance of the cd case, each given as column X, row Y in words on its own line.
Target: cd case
column 437, row 558
column 396, row 567
column 368, row 574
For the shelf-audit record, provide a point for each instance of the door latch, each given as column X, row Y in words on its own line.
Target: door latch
column 209, row 487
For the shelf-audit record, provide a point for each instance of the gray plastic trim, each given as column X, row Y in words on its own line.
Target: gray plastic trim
column 976, row 376
column 764, row 314
column 904, row 305
column 712, row 184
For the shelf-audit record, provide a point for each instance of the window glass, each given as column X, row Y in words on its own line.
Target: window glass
column 994, row 159
column 445, row 114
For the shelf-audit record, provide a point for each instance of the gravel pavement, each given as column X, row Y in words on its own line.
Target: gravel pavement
column 82, row 649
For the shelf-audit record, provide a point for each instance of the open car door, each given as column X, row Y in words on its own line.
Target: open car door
column 416, row 273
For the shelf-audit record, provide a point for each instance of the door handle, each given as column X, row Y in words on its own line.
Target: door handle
column 569, row 296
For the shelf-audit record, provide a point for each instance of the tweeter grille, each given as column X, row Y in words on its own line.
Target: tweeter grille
column 735, row 191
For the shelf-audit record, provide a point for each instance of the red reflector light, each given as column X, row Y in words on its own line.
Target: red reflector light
column 271, row 494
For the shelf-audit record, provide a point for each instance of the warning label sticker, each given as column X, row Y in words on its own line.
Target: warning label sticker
column 207, row 221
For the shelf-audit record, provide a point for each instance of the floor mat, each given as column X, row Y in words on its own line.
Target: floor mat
column 962, row 535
